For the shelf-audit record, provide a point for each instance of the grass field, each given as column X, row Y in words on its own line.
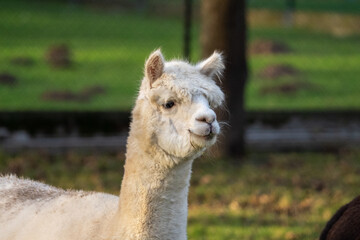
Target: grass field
column 327, row 63
column 266, row 197
column 109, row 49
column 339, row 6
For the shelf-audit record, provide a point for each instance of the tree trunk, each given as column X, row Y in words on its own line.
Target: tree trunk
column 213, row 22
column 224, row 29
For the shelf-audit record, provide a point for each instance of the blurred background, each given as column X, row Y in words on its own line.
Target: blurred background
column 69, row 73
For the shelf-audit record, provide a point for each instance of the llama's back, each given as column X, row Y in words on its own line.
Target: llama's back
column 33, row 210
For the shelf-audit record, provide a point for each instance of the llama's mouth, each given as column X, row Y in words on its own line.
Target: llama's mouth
column 207, row 137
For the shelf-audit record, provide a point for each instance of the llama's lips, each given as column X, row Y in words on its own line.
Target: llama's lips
column 208, row 137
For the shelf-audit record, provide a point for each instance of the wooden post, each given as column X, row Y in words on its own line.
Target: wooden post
column 289, row 13
column 236, row 77
column 187, row 28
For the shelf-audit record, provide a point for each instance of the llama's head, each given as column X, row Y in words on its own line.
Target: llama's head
column 178, row 100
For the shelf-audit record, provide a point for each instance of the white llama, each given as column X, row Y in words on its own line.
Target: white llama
column 172, row 124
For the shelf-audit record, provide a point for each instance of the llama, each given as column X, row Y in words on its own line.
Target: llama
column 173, row 122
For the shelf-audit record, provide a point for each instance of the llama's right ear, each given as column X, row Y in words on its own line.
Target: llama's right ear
column 154, row 66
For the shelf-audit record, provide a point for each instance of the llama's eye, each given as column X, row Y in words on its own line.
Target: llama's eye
column 169, row 105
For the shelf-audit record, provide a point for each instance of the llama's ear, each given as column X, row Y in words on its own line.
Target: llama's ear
column 212, row 66
column 154, row 66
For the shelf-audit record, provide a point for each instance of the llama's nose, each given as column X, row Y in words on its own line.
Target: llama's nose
column 208, row 117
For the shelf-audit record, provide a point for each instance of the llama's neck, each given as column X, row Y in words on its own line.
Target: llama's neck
column 153, row 198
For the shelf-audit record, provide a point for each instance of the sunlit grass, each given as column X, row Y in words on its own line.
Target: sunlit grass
column 328, row 64
column 109, row 49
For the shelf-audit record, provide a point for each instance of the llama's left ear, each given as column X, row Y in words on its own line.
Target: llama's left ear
column 154, row 66
column 212, row 66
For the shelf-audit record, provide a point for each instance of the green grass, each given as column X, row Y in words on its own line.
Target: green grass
column 268, row 196
column 342, row 6
column 327, row 63
column 109, row 49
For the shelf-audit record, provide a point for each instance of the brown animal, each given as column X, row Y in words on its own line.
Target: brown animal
column 345, row 224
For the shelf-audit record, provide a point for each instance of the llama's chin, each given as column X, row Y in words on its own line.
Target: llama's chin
column 200, row 142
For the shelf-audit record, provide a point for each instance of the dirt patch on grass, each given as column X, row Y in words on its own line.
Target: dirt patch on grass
column 59, row 56
column 22, row 61
column 286, row 88
column 278, row 71
column 7, row 79
column 84, row 95
column 268, row 47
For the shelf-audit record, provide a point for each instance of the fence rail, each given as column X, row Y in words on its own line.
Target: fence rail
column 265, row 130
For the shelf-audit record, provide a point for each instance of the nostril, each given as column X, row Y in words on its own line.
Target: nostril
column 206, row 118
column 201, row 119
